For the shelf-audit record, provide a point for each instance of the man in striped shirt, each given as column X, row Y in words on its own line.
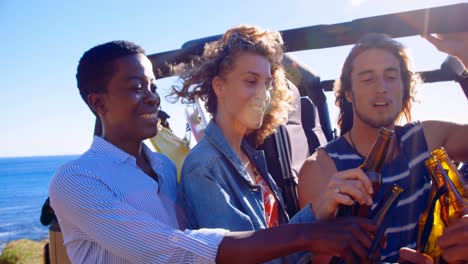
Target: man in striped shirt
column 117, row 202
column 375, row 90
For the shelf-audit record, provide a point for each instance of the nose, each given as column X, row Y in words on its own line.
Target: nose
column 381, row 85
column 264, row 94
column 152, row 98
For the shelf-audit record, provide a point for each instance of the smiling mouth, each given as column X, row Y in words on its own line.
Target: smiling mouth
column 258, row 108
column 149, row 116
column 381, row 104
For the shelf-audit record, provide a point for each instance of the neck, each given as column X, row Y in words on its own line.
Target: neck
column 134, row 148
column 231, row 131
column 363, row 136
column 131, row 147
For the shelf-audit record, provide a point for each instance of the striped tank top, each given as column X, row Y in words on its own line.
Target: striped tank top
column 407, row 171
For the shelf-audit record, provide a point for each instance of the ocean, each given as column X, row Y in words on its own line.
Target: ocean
column 24, row 187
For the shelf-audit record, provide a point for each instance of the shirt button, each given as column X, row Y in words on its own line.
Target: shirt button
column 175, row 239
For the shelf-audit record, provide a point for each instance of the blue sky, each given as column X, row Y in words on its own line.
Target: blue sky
column 42, row 41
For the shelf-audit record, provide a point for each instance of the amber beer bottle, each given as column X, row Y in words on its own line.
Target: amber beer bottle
column 452, row 171
column 379, row 215
column 372, row 166
column 431, row 226
column 454, row 203
column 446, row 210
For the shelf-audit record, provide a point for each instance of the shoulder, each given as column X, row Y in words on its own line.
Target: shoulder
column 318, row 162
column 432, row 127
column 434, row 132
column 334, row 145
column 409, row 127
column 82, row 165
column 74, row 174
column 436, row 126
column 321, row 159
column 198, row 162
column 409, row 130
column 203, row 154
column 450, row 135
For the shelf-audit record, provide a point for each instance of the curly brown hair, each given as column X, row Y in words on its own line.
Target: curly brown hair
column 219, row 56
column 343, row 84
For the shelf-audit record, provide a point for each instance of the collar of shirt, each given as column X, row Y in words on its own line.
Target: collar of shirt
column 105, row 148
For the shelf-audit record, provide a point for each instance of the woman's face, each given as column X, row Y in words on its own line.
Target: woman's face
column 244, row 91
column 131, row 101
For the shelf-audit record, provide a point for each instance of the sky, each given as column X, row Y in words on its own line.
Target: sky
column 42, row 41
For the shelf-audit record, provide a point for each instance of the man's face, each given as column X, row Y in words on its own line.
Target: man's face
column 246, row 90
column 377, row 88
column 130, row 103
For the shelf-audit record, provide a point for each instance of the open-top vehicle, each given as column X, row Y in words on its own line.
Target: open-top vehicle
column 313, row 116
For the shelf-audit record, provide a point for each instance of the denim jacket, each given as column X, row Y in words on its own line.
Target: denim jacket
column 216, row 189
column 217, row 192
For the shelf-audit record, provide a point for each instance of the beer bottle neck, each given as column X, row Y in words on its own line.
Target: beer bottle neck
column 373, row 164
column 452, row 171
column 454, row 199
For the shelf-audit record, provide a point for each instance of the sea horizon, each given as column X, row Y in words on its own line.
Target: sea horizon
column 39, row 156
column 25, row 183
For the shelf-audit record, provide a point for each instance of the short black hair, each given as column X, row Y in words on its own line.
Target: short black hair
column 96, row 65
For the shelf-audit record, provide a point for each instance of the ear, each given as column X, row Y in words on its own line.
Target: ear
column 218, row 86
column 349, row 96
column 96, row 103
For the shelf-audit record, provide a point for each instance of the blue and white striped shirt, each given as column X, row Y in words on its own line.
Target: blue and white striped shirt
column 110, row 211
column 408, row 171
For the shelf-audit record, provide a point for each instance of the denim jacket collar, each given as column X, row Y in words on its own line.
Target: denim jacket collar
column 216, row 137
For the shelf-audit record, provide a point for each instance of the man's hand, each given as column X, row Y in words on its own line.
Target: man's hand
column 347, row 237
column 454, row 241
column 455, row 44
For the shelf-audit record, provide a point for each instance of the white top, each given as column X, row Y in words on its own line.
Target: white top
column 110, row 211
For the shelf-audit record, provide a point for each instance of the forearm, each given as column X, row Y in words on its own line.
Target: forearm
column 262, row 245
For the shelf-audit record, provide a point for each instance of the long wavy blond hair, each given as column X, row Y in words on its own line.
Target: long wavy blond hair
column 342, row 85
column 218, row 58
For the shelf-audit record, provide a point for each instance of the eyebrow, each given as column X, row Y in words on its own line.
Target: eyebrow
column 390, row 69
column 268, row 79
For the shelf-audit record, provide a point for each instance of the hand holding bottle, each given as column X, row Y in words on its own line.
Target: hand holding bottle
column 372, row 167
column 344, row 187
column 454, row 241
column 348, row 238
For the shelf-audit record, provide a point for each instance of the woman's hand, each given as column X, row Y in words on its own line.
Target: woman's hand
column 345, row 187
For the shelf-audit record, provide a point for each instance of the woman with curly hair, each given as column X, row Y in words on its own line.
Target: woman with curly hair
column 224, row 181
